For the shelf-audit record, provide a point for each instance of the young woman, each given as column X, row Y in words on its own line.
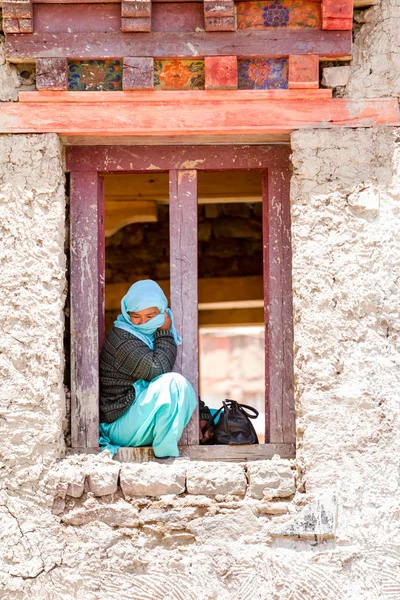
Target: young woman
column 142, row 402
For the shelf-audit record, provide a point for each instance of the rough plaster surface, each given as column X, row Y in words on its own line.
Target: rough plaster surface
column 346, row 265
column 375, row 68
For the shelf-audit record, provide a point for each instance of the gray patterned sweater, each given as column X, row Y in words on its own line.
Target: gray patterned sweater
column 124, row 360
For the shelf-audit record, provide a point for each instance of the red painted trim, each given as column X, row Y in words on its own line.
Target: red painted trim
column 102, row 261
column 232, row 115
column 84, row 309
column 279, row 413
column 167, row 97
column 119, row 159
column 87, row 269
column 183, row 277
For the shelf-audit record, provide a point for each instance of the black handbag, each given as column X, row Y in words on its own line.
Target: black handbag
column 234, row 426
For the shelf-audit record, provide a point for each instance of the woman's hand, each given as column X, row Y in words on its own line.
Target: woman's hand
column 208, row 433
column 166, row 326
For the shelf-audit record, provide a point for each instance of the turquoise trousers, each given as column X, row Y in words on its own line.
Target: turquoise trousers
column 161, row 410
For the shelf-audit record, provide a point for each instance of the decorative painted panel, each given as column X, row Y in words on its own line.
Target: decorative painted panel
column 292, row 14
column 178, row 74
column 94, row 75
column 263, row 74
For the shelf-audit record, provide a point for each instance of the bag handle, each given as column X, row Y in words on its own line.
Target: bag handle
column 242, row 407
column 225, row 404
column 210, row 421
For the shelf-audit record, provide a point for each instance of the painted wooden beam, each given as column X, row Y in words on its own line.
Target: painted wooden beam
column 196, row 114
column 136, row 15
column 239, row 186
column 177, row 16
column 138, row 73
column 135, row 97
column 337, row 14
column 79, row 18
column 117, row 159
column 304, row 72
column 279, row 379
column 17, row 16
column 85, row 304
column 215, row 289
column 221, row 73
column 52, row 74
column 120, row 213
column 219, row 15
column 281, row 43
column 183, row 269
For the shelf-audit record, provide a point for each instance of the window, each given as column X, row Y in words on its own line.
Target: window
column 184, row 166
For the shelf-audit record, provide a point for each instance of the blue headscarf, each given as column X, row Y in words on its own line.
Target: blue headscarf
column 141, row 295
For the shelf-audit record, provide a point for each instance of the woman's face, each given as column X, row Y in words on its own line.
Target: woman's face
column 142, row 316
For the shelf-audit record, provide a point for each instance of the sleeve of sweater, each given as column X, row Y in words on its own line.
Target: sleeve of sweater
column 137, row 360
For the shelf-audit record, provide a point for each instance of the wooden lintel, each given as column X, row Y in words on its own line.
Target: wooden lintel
column 219, row 289
column 188, row 116
column 119, row 213
column 117, row 159
column 334, row 44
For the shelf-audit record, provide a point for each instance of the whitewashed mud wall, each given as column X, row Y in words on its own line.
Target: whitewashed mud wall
column 88, row 528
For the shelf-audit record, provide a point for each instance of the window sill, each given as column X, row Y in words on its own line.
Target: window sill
column 205, row 453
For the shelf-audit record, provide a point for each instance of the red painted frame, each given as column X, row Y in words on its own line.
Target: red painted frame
column 86, row 164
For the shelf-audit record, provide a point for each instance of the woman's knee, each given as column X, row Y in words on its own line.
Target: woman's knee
column 174, row 378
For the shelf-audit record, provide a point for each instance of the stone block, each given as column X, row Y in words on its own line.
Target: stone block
column 74, row 477
column 318, row 519
column 270, row 479
column 221, row 73
column 103, row 479
column 234, row 227
column 335, row 76
column 152, row 479
column 303, row 72
column 118, row 514
column 215, row 478
column 365, row 201
column 52, row 74
column 138, row 73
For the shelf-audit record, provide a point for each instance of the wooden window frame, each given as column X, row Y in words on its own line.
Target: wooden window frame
column 86, row 165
